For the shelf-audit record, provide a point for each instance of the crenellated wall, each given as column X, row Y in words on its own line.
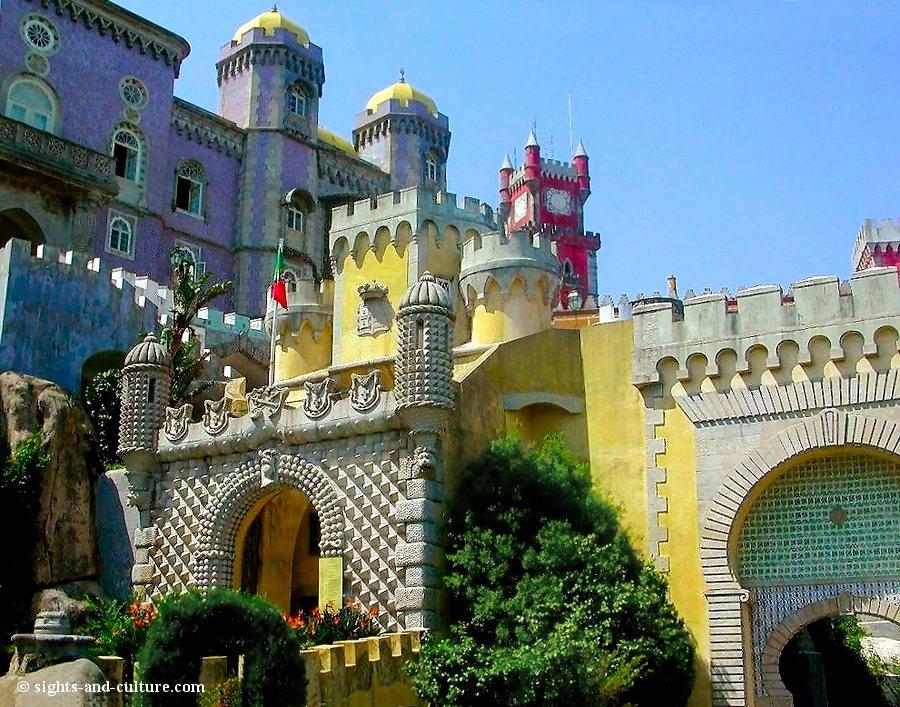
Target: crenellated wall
column 765, row 336
column 365, row 673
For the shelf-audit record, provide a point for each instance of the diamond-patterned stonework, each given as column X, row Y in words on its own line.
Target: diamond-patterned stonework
column 202, row 504
column 836, row 517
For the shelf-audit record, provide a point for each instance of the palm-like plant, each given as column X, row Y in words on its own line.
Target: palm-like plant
column 191, row 295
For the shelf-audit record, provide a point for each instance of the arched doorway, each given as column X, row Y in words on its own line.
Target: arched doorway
column 277, row 551
column 827, row 524
column 748, row 595
column 18, row 223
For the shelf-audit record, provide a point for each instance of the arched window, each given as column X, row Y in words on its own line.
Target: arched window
column 120, row 235
column 296, row 219
column 297, row 101
column 290, row 280
column 431, row 168
column 190, row 183
column 126, row 151
column 30, row 102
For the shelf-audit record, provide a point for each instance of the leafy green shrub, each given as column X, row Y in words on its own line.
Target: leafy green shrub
column 317, row 628
column 223, row 622
column 101, row 401
column 549, row 602
column 20, row 480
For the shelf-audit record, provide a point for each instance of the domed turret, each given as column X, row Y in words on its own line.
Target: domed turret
column 146, row 380
column 402, row 92
column 269, row 22
column 424, row 364
column 402, row 132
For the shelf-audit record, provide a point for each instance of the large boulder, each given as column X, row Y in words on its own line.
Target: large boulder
column 48, row 687
column 66, row 538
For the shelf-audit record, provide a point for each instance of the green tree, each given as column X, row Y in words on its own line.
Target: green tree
column 549, row 603
column 188, row 363
column 101, row 400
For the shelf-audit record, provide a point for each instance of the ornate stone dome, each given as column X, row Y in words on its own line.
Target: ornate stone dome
column 148, row 351
column 270, row 21
column 427, row 291
column 403, row 92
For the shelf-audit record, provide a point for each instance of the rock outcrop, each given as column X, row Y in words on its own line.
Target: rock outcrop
column 66, row 539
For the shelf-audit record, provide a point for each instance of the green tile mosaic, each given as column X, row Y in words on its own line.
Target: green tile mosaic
column 829, row 518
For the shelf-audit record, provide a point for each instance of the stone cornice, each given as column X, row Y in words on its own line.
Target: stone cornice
column 205, row 128
column 312, row 72
column 770, row 400
column 120, row 25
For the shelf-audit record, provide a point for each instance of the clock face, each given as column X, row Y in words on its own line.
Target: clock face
column 558, row 201
column 520, row 207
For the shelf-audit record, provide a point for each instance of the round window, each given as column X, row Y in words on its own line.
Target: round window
column 134, row 92
column 39, row 34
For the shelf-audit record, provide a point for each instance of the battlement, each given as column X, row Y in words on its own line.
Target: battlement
column 760, row 321
column 611, row 311
column 495, row 250
column 872, row 233
column 369, row 665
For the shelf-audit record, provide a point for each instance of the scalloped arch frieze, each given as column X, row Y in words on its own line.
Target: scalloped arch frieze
column 256, row 478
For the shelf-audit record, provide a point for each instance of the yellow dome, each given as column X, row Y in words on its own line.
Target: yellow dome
column 400, row 91
column 335, row 140
column 270, row 21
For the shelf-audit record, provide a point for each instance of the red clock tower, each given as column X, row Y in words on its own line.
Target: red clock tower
column 547, row 196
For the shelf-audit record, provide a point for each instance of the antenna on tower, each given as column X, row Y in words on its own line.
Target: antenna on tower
column 571, row 132
column 551, row 146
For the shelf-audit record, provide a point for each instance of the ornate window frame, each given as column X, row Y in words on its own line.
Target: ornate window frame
column 39, row 34
column 297, row 101
column 118, row 225
column 190, row 189
column 52, row 117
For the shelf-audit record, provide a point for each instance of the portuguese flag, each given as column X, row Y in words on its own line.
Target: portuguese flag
column 279, row 291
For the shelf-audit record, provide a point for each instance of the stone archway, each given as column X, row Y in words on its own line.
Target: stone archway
column 18, row 223
column 775, row 694
column 728, row 600
column 242, row 491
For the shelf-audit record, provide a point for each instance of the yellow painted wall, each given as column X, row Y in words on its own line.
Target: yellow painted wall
column 390, row 269
column 502, row 317
column 303, row 353
column 686, row 585
column 281, row 519
column 615, row 422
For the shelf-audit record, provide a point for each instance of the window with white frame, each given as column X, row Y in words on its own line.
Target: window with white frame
column 194, row 254
column 431, row 168
column 126, row 152
column 296, row 219
column 296, row 101
column 190, row 182
column 120, row 235
column 30, row 102
column 290, row 280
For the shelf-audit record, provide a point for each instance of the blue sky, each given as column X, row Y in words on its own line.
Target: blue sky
column 732, row 142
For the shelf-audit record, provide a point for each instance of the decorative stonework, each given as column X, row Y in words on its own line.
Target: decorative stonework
column 206, row 129
column 657, row 503
column 365, row 390
column 727, row 615
column 319, row 398
column 177, row 422
column 265, row 402
column 39, row 34
column 215, row 416
column 373, row 314
column 771, row 400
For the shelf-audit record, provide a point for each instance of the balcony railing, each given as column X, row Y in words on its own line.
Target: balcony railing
column 38, row 151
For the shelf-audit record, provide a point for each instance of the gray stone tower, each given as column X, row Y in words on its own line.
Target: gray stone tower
column 424, row 390
column 146, row 382
column 402, row 132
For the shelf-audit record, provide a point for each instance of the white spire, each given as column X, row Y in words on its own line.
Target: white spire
column 532, row 140
column 580, row 151
column 507, row 163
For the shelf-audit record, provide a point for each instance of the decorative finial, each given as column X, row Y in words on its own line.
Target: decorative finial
column 402, row 75
column 274, row 7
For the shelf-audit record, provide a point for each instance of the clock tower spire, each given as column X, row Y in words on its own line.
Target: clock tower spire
column 547, row 196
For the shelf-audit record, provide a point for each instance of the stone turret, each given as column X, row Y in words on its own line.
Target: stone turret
column 509, row 285
column 423, row 386
column 304, row 332
column 146, row 383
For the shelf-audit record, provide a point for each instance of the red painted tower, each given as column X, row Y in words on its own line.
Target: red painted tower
column 548, row 196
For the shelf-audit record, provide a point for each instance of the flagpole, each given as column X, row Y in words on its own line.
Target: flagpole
column 274, row 318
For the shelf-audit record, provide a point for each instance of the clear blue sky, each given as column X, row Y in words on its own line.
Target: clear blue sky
column 732, row 142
